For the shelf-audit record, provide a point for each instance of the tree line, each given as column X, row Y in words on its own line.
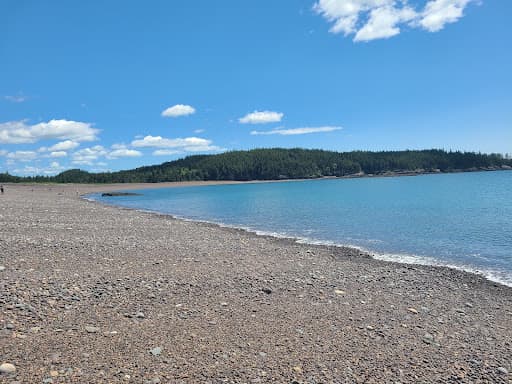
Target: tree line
column 279, row 163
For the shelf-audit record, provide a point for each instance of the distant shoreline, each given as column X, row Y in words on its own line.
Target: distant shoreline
column 286, row 163
column 197, row 183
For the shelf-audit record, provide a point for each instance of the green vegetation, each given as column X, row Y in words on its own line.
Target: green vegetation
column 278, row 163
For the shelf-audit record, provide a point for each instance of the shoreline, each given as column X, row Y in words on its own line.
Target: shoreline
column 96, row 293
column 194, row 183
column 412, row 260
column 407, row 259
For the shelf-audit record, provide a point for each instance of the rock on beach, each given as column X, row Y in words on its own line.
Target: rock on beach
column 7, row 368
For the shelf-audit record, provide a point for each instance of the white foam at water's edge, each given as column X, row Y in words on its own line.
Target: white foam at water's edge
column 494, row 275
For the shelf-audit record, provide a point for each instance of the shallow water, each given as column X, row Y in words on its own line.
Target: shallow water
column 461, row 220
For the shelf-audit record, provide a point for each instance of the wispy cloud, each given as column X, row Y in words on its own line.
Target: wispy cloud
column 58, row 154
column 64, row 146
column 178, row 110
column 124, row 152
column 18, row 132
column 296, row 131
column 87, row 156
column 52, row 169
column 377, row 19
column 16, row 98
column 261, row 117
column 438, row 13
column 188, row 144
column 165, row 152
column 22, row 155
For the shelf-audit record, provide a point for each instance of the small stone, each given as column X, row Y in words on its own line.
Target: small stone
column 2, row 268
column 428, row 338
column 297, row 369
column 268, row 291
column 262, row 354
column 9, row 326
column 503, row 370
column 370, row 328
column 469, row 305
column 54, row 373
column 7, row 368
column 91, row 329
column 48, row 381
column 156, row 351
column 412, row 310
column 140, row 315
column 224, row 304
column 55, row 357
column 35, row 329
column 339, row 292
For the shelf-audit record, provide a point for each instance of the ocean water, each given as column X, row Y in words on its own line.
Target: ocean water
column 461, row 220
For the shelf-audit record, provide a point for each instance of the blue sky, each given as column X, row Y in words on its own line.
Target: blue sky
column 108, row 85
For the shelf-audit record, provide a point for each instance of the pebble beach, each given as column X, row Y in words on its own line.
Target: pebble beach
column 99, row 294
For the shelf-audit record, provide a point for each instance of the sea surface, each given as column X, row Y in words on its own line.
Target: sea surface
column 461, row 220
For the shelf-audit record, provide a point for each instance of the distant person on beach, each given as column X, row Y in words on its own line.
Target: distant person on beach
column 2, row 189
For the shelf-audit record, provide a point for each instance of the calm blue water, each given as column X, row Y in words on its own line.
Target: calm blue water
column 462, row 220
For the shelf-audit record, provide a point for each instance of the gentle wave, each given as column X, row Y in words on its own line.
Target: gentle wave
column 493, row 275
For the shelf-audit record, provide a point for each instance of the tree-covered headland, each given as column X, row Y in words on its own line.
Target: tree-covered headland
column 278, row 164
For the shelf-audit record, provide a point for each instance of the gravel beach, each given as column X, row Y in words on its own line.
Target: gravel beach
column 98, row 294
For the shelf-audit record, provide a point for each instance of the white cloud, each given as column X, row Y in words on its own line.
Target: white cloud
column 118, row 146
column 64, row 146
column 52, row 169
column 58, row 154
column 199, row 131
column 18, row 132
column 188, row 144
column 437, row 13
column 124, row 152
column 55, row 164
column 296, row 131
column 28, row 170
column 376, row 19
column 261, row 117
column 87, row 156
column 178, row 110
column 165, row 152
column 383, row 23
column 3, row 152
column 22, row 155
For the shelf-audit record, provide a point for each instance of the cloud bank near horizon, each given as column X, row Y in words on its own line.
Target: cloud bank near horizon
column 296, row 131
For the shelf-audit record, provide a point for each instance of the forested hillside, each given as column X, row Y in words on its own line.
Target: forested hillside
column 278, row 163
